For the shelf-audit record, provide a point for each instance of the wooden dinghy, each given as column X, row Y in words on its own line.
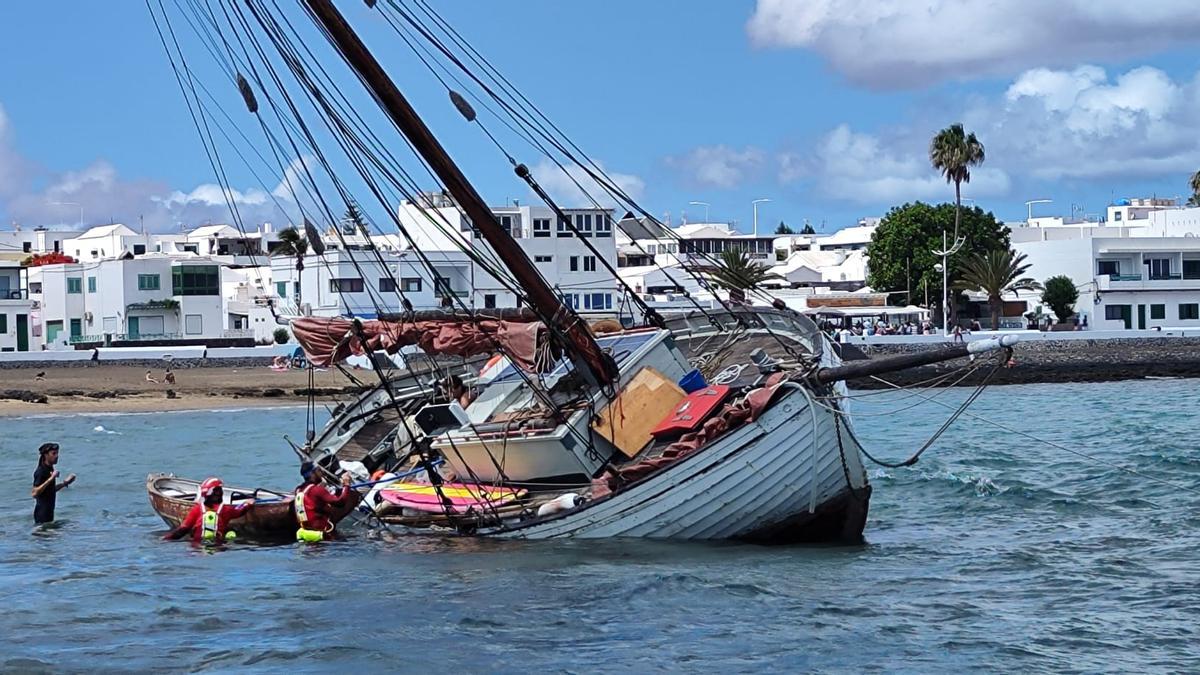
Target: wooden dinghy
column 271, row 517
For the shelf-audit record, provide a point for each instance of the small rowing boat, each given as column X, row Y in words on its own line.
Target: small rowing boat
column 271, row 517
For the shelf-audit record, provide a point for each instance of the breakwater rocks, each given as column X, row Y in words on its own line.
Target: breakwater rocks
column 1073, row 360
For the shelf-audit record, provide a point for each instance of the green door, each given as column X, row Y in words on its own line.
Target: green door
column 1127, row 316
column 53, row 328
column 132, row 331
column 1141, row 317
column 22, row 332
column 76, row 329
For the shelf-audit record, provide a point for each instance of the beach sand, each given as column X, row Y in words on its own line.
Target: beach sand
column 115, row 388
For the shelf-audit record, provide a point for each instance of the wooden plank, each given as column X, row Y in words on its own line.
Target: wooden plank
column 627, row 421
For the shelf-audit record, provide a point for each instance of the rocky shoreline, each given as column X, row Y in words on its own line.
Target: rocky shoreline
column 1107, row 360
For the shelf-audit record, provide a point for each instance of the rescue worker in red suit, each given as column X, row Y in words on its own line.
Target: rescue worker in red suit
column 208, row 521
column 314, row 505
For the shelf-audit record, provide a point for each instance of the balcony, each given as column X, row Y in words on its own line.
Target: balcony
column 14, row 295
column 1159, row 282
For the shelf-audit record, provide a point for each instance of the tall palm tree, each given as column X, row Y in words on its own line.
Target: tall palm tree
column 736, row 273
column 1194, row 183
column 953, row 152
column 995, row 273
column 292, row 243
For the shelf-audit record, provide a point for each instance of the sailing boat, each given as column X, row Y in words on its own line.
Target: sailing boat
column 573, row 433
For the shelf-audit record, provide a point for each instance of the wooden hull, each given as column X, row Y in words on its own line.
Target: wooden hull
column 172, row 498
column 784, row 478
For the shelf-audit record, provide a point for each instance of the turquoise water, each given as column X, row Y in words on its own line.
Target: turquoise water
column 991, row 553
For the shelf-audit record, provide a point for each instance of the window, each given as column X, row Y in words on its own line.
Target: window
column 3, row 323
column 1191, row 269
column 345, row 285
column 1116, row 215
column 543, row 258
column 574, row 265
column 35, row 287
column 281, row 289
column 652, row 249
column 148, row 282
column 563, row 230
column 195, row 280
column 1160, row 268
column 489, row 301
column 94, row 255
column 387, row 285
column 193, row 324
column 1158, row 311
column 597, row 301
column 139, row 249
column 1110, row 268
column 541, row 227
column 91, row 284
column 74, row 285
column 603, row 225
column 506, row 222
column 589, row 263
column 411, row 284
column 1118, row 312
column 1189, row 311
column 27, row 247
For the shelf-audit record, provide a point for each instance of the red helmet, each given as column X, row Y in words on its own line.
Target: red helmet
column 209, row 486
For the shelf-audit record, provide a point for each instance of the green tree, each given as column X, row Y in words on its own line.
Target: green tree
column 1061, row 295
column 281, row 336
column 807, row 229
column 784, row 229
column 737, row 273
column 292, row 243
column 996, row 273
column 901, row 250
column 953, row 152
column 1194, row 183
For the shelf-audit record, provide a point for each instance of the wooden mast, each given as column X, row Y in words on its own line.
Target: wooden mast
column 543, row 299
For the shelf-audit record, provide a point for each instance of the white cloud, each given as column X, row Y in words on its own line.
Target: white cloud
column 561, row 185
column 893, row 44
column 719, row 166
column 863, row 168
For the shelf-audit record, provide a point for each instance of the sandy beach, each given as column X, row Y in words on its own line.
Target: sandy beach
column 116, row 388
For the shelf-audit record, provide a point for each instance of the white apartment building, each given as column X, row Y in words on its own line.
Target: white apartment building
column 150, row 297
column 17, row 243
column 356, row 283
column 15, row 308
column 115, row 240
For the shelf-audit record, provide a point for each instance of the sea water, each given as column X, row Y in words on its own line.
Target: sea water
column 993, row 552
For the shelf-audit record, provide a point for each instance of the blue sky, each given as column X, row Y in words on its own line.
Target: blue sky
column 823, row 106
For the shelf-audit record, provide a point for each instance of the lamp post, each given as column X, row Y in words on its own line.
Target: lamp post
column 1029, row 208
column 705, row 205
column 73, row 204
column 944, row 268
column 756, row 202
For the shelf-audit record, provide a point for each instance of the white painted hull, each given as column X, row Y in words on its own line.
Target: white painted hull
column 769, row 479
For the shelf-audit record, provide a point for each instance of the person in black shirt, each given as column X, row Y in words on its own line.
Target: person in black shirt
column 44, row 488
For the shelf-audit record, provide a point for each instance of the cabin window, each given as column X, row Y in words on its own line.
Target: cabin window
column 387, row 285
column 281, row 289
column 349, row 285
column 489, row 301
column 543, row 258
column 139, row 249
column 541, row 227
column 589, row 263
column 1189, row 311
column 574, row 264
column 411, row 284
column 27, row 247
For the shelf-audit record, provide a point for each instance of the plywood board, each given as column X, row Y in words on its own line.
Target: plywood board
column 628, row 420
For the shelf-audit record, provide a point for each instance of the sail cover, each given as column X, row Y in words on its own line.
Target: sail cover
column 329, row 340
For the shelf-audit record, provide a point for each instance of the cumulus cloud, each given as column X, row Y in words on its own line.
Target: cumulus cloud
column 562, row 185
column 892, row 44
column 867, row 169
column 719, row 166
column 32, row 195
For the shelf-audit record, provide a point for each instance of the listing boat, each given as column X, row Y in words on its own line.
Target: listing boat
column 271, row 517
column 707, row 425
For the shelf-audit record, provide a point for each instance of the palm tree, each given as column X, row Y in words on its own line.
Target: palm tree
column 953, row 152
column 996, row 273
column 736, row 273
column 1194, row 183
column 292, row 243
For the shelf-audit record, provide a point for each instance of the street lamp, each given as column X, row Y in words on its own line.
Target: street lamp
column 705, row 205
column 1029, row 208
column 756, row 202
column 73, row 204
column 944, row 268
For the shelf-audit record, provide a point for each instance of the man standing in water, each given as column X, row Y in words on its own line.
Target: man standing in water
column 314, row 505
column 44, row 488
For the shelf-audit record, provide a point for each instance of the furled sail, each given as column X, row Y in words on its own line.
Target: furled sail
column 329, row 340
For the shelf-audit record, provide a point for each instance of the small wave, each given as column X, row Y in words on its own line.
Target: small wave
column 984, row 486
column 99, row 428
column 141, row 413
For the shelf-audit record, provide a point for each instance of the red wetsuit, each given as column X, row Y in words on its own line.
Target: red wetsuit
column 192, row 523
column 319, row 504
